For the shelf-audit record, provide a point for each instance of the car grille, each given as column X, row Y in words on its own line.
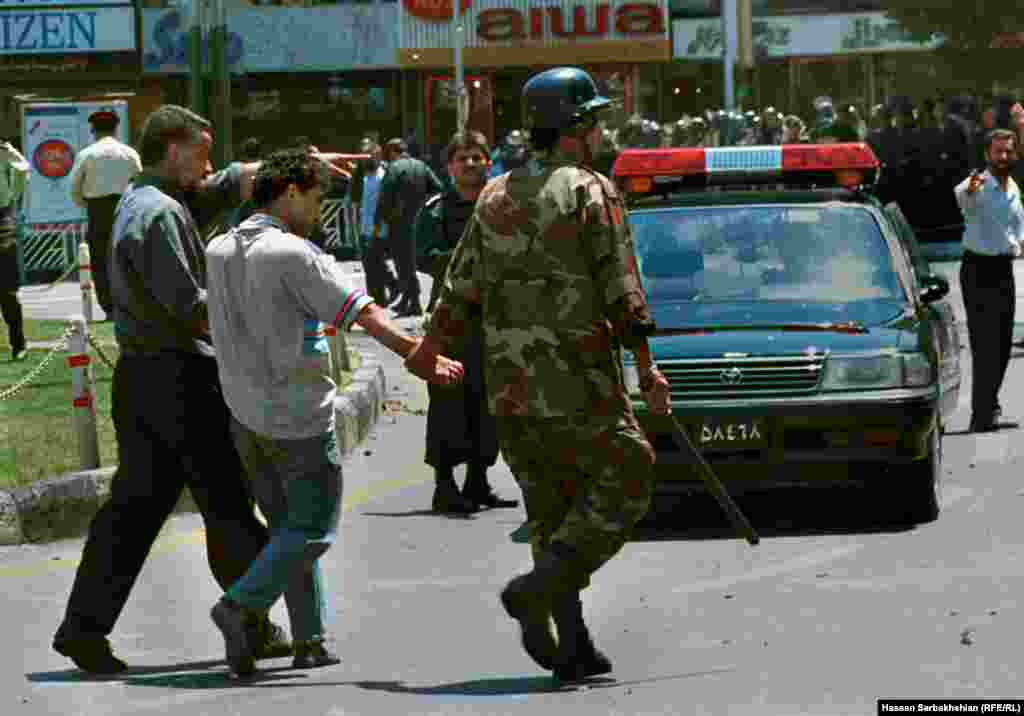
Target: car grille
column 742, row 378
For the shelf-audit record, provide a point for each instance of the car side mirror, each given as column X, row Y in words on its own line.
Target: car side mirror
column 933, row 288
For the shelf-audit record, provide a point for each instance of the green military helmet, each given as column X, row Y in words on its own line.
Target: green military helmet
column 560, row 98
column 681, row 131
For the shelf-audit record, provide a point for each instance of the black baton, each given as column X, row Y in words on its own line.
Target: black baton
column 739, row 521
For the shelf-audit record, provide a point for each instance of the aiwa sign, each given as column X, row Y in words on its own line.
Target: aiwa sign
column 35, row 27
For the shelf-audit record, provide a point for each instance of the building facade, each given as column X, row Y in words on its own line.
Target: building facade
column 326, row 73
column 65, row 50
column 622, row 44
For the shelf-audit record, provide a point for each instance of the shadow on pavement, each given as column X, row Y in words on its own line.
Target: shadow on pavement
column 418, row 513
column 74, row 675
column 212, row 674
column 519, row 685
column 791, row 512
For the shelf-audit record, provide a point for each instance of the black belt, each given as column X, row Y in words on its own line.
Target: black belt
column 968, row 254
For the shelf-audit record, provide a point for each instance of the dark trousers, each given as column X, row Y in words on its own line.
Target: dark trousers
column 459, row 426
column 403, row 251
column 101, row 224
column 989, row 302
column 379, row 277
column 10, row 306
column 173, row 430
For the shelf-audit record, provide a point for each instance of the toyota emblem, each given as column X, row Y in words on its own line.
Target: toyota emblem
column 732, row 376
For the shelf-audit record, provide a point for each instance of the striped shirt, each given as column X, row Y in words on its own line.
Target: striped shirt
column 269, row 294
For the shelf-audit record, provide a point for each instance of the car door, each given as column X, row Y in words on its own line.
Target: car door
column 940, row 313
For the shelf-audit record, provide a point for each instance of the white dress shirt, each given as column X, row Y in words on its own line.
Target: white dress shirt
column 993, row 218
column 104, row 168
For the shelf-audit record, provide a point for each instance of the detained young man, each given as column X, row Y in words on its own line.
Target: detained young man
column 270, row 291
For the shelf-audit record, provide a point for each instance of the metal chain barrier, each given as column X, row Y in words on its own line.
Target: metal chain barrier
column 99, row 351
column 35, row 372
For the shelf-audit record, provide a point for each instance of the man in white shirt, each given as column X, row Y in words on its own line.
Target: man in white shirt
column 13, row 174
column 270, row 293
column 993, row 234
column 101, row 173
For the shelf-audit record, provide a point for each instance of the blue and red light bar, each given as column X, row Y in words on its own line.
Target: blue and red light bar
column 842, row 164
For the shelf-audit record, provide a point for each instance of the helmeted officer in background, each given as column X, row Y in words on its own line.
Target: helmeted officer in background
column 607, row 151
column 548, row 260
column 99, row 177
column 512, row 154
column 459, row 427
column 770, row 130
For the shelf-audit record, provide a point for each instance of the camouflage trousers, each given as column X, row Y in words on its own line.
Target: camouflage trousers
column 586, row 482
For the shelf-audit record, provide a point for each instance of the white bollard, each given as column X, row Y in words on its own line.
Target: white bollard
column 85, row 279
column 83, row 408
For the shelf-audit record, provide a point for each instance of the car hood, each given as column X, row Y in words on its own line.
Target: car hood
column 689, row 330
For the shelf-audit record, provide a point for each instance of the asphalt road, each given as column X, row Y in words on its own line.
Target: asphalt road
column 830, row 613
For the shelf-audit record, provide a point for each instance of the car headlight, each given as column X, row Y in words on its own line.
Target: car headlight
column 890, row 370
column 630, row 375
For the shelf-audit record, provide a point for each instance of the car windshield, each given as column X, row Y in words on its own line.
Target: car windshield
column 763, row 253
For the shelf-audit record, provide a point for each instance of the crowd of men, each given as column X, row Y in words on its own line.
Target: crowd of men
column 220, row 323
column 226, row 336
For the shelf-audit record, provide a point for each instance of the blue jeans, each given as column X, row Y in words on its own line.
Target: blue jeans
column 297, row 485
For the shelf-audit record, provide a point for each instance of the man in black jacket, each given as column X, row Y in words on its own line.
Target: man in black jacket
column 459, row 427
column 405, row 188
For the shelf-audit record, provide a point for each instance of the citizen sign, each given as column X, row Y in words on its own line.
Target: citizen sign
column 632, row 19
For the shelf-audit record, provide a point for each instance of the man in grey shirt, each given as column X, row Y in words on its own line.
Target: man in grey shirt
column 993, row 234
column 271, row 291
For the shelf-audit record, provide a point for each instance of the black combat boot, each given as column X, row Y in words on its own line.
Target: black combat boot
column 447, row 499
column 529, row 599
column 479, row 491
column 578, row 658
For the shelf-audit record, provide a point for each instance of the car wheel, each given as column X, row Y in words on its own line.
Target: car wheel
column 917, row 493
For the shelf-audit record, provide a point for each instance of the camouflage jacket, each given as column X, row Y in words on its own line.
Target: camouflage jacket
column 548, row 261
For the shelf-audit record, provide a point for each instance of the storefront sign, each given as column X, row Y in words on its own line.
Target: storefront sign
column 434, row 10
column 788, row 36
column 21, row 4
column 282, row 39
column 542, row 32
column 52, row 135
column 47, row 31
column 630, row 19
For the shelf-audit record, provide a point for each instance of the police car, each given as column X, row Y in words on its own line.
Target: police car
column 803, row 334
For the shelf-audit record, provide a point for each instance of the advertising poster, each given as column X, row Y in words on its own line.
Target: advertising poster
column 52, row 136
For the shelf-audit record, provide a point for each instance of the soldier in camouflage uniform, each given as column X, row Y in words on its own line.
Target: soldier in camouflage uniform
column 548, row 259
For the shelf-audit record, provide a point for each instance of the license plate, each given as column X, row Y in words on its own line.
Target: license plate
column 733, row 435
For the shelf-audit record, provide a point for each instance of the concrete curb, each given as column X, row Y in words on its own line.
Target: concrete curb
column 63, row 506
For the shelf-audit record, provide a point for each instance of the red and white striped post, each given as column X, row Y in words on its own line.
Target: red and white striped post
column 85, row 279
column 83, row 408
